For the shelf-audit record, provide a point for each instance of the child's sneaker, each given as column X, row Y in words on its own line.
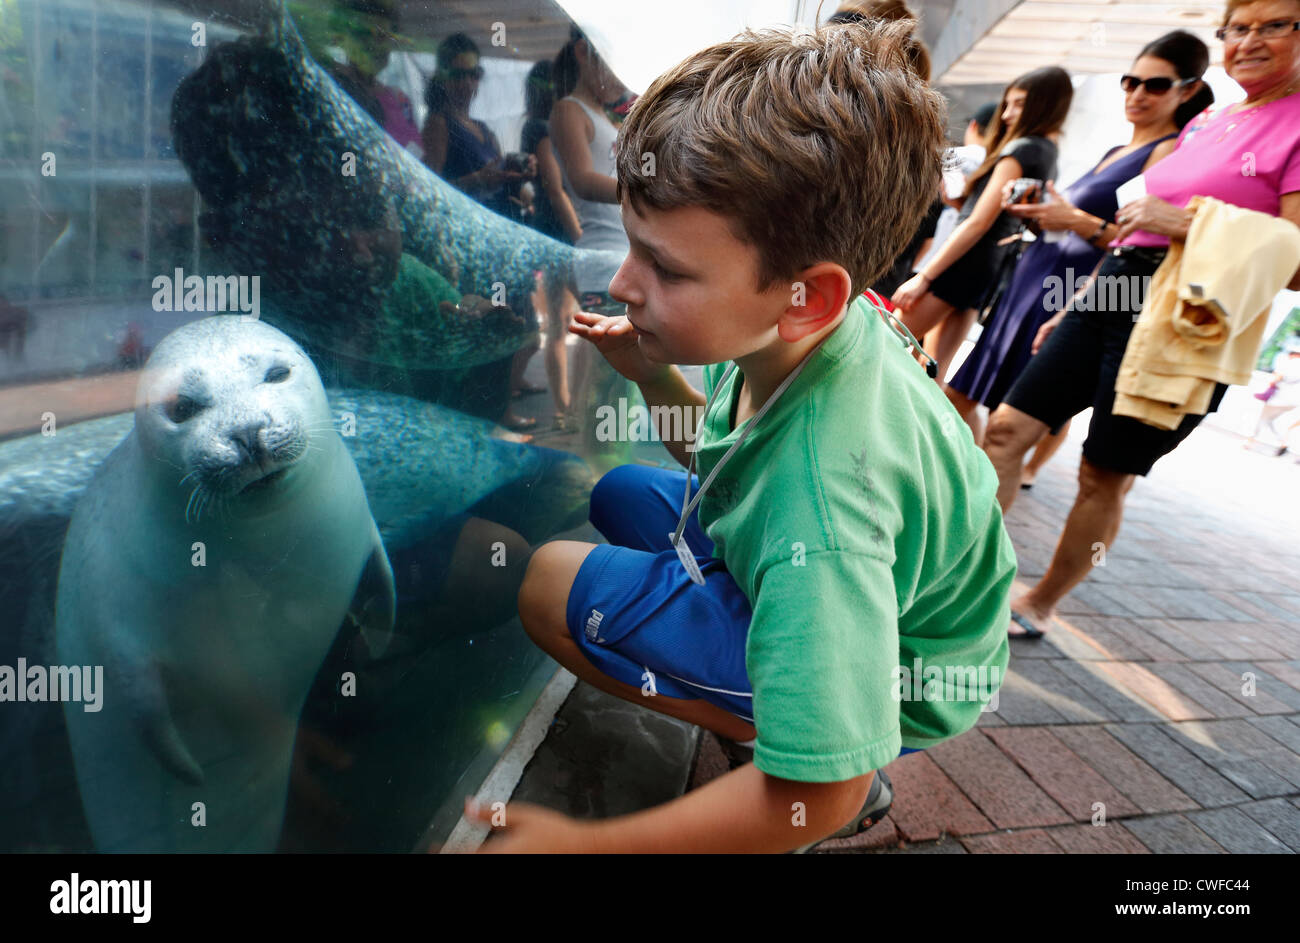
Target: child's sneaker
column 879, row 798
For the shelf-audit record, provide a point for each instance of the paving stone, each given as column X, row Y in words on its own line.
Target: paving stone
column 1112, row 645
column 1126, row 771
column 1272, row 604
column 1224, row 639
column 1101, row 681
column 944, row 846
column 1288, row 672
column 1173, row 636
column 1216, row 740
column 1062, row 774
column 1073, row 702
column 1280, row 729
column 1020, row 701
column 1146, row 647
column 1283, row 639
column 990, row 719
column 1256, row 778
column 997, row 787
column 1089, row 597
column 1278, row 817
column 1169, row 603
column 1177, row 764
column 928, row 804
column 1172, row 835
column 1230, row 683
column 605, row 757
column 1151, row 683
column 1109, row 839
column 710, row 761
column 1033, row 841
column 1193, row 687
column 1245, row 610
column 1287, row 601
column 1237, row 833
column 1232, row 579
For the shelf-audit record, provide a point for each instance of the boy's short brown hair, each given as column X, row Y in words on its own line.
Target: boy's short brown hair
column 817, row 145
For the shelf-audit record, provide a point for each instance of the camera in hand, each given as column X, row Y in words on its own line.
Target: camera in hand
column 1026, row 190
column 515, row 162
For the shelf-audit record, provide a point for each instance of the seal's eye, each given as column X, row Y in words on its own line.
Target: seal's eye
column 181, row 409
column 276, row 375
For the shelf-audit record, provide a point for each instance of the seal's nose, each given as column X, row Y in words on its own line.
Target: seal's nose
column 248, row 442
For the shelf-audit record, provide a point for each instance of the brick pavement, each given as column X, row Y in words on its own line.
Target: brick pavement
column 1165, row 701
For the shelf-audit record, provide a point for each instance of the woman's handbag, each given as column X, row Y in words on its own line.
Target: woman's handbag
column 1006, row 269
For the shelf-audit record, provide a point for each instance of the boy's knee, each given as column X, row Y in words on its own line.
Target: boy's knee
column 544, row 593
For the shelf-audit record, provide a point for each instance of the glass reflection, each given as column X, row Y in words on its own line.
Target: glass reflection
column 270, row 167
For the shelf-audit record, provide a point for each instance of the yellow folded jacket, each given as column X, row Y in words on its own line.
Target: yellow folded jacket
column 1205, row 312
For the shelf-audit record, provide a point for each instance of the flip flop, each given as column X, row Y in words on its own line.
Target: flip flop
column 1031, row 631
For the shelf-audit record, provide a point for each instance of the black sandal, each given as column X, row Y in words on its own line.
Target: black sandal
column 1031, row 631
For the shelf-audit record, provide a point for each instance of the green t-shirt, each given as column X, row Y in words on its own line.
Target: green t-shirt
column 860, row 520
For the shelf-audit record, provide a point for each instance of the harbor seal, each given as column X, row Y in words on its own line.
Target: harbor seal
column 208, row 568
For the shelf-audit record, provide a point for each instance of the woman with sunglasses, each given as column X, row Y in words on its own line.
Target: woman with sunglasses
column 458, row 148
column 957, row 280
column 1160, row 97
column 1247, row 155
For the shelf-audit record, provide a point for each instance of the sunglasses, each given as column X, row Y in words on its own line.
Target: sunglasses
column 474, row 73
column 1156, row 85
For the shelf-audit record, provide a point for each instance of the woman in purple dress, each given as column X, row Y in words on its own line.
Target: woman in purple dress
column 1162, row 97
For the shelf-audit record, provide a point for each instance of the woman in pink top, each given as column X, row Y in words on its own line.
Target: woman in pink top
column 1246, row 154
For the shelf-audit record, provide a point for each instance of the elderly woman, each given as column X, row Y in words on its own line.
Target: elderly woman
column 1077, row 364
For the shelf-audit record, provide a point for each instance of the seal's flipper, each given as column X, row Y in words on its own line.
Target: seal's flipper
column 374, row 604
column 147, row 701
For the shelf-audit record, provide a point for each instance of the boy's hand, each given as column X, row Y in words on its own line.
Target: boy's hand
column 530, row 829
column 616, row 340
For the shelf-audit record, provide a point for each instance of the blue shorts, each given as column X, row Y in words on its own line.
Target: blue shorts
column 633, row 610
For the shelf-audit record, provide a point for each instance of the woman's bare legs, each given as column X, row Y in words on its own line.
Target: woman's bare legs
column 1043, row 452
column 948, row 337
column 923, row 317
column 560, row 305
column 969, row 410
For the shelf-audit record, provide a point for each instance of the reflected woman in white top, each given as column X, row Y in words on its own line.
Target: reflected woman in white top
column 583, row 136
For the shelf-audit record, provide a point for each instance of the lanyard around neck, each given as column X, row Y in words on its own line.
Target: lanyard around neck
column 689, row 503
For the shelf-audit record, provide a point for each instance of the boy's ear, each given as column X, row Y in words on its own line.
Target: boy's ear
column 817, row 296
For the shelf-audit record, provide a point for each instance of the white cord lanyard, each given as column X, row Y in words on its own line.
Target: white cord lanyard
column 688, row 503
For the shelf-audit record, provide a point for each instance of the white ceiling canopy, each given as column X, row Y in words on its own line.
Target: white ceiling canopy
column 641, row 41
column 1082, row 36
